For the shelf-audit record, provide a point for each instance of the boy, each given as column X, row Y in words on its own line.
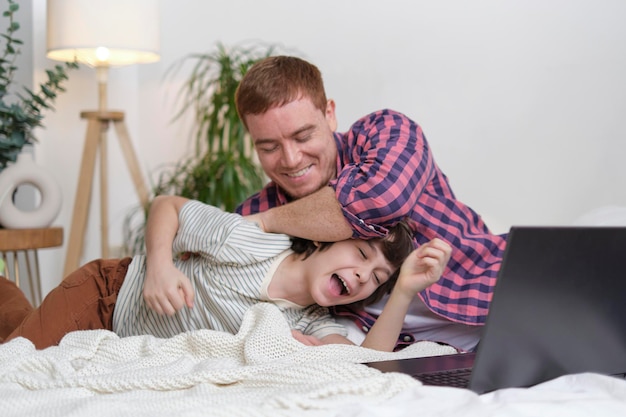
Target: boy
column 234, row 264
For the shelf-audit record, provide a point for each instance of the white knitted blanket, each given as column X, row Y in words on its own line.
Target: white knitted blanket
column 261, row 371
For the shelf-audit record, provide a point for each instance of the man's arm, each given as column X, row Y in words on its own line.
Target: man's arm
column 388, row 168
column 166, row 289
column 316, row 217
column 390, row 165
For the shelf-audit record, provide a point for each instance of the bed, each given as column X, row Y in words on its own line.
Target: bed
column 260, row 371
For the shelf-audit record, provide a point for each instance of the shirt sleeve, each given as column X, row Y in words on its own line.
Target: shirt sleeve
column 317, row 321
column 386, row 166
column 225, row 237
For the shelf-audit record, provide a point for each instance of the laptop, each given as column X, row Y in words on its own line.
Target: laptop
column 559, row 307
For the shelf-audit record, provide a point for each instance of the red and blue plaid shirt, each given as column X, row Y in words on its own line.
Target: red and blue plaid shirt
column 385, row 158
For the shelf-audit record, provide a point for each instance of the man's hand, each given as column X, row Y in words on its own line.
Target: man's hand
column 423, row 267
column 166, row 290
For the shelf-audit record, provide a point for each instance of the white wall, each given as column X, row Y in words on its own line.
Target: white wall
column 521, row 100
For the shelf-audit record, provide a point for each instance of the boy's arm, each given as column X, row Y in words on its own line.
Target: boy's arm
column 384, row 333
column 422, row 268
column 166, row 289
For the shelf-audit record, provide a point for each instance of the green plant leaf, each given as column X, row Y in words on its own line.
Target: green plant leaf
column 221, row 170
column 25, row 111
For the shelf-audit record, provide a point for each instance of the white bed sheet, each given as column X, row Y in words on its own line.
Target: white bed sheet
column 261, row 371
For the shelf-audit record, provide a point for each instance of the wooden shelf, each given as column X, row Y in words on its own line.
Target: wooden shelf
column 20, row 246
column 26, row 239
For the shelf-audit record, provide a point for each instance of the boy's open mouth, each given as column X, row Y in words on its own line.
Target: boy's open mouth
column 343, row 288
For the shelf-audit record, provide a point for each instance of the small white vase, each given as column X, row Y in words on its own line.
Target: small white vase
column 26, row 171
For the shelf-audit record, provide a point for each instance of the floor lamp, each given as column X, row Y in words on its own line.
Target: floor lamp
column 102, row 35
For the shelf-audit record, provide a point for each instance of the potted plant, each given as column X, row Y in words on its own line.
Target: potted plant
column 21, row 112
column 222, row 171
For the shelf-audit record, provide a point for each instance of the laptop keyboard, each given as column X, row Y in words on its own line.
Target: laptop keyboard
column 458, row 378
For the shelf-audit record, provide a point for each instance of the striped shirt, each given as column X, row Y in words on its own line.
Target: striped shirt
column 385, row 157
column 232, row 264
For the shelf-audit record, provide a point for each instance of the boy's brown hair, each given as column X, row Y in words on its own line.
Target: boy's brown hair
column 278, row 80
column 396, row 246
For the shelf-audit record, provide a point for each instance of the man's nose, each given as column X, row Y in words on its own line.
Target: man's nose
column 291, row 155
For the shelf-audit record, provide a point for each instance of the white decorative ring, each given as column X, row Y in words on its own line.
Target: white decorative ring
column 13, row 218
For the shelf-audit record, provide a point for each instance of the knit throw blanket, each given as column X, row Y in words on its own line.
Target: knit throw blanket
column 262, row 370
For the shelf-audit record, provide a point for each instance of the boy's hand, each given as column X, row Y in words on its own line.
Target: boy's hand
column 306, row 339
column 167, row 290
column 423, row 267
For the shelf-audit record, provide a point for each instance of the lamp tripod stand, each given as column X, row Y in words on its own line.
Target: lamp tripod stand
column 96, row 139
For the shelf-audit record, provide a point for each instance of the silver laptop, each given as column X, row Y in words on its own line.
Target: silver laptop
column 559, row 307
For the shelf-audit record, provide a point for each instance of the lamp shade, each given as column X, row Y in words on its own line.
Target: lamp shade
column 103, row 33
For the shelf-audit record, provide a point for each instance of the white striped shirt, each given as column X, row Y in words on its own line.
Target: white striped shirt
column 232, row 266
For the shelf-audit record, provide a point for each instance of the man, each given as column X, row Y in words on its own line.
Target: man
column 328, row 186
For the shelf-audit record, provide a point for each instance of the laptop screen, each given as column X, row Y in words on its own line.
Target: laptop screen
column 558, row 307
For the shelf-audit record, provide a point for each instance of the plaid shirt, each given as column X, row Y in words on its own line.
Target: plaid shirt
column 384, row 157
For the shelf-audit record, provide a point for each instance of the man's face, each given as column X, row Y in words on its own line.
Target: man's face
column 295, row 145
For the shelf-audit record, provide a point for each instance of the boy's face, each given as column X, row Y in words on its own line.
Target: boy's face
column 348, row 271
column 295, row 145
